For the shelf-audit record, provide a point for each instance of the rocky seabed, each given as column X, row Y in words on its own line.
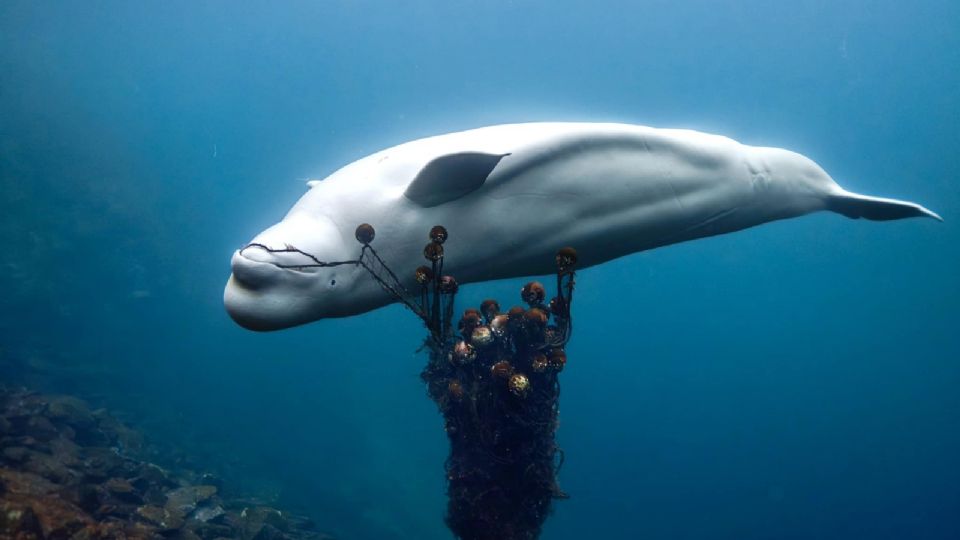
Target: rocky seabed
column 69, row 472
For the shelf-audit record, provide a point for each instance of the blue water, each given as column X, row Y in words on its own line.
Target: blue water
column 796, row 380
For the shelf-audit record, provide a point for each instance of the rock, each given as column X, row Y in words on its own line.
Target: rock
column 59, row 518
column 67, row 432
column 151, row 481
column 104, row 463
column 66, row 451
column 126, row 439
column 139, row 530
column 102, row 531
column 86, row 496
column 187, row 534
column 123, row 490
column 118, row 486
column 48, row 467
column 17, row 518
column 301, row 522
column 207, row 513
column 211, row 480
column 71, row 411
column 161, row 517
column 155, row 496
column 40, row 428
column 24, row 440
column 54, row 516
column 115, row 509
column 94, row 477
column 262, row 522
column 208, row 530
column 230, row 519
column 20, row 403
column 17, row 454
column 25, row 484
column 268, row 532
column 184, row 500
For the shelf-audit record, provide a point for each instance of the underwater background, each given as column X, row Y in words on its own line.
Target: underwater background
column 796, row 380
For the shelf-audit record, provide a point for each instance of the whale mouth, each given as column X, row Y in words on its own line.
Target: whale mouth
column 287, row 258
column 262, row 311
column 256, row 265
column 251, row 273
column 258, row 293
column 276, row 285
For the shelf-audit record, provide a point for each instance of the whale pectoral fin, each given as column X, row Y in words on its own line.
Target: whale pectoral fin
column 855, row 206
column 450, row 177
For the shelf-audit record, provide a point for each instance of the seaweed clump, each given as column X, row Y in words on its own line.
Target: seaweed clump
column 494, row 379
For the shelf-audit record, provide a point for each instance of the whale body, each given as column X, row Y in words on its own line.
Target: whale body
column 510, row 196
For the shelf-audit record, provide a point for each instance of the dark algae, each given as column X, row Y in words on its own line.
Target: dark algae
column 494, row 378
column 69, row 472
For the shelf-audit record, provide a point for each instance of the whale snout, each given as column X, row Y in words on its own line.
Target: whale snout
column 251, row 270
column 263, row 310
column 258, row 295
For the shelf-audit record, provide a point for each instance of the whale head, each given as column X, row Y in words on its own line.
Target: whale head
column 306, row 267
column 276, row 281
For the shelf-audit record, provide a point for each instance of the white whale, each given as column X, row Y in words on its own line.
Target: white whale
column 510, row 196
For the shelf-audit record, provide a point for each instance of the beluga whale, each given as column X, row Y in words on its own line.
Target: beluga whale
column 510, row 197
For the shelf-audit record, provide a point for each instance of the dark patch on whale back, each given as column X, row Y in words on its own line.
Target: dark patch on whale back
column 450, row 177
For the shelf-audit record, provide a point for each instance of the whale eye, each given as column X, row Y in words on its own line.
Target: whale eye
column 333, row 282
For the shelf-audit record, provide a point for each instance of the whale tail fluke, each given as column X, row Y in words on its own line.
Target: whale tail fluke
column 857, row 206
